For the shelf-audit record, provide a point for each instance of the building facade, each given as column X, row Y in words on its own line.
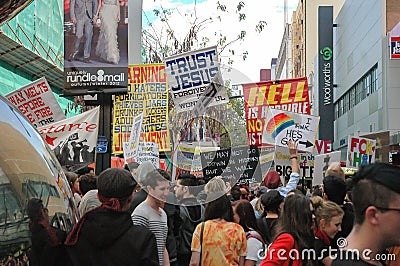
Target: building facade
column 367, row 95
column 32, row 46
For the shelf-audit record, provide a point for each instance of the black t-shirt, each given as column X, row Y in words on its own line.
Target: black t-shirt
column 321, row 250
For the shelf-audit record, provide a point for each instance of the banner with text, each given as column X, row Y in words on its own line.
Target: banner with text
column 306, row 160
column 37, row 102
column 282, row 126
column 240, row 164
column 189, row 75
column 73, row 140
column 147, row 94
column 360, row 151
column 290, row 95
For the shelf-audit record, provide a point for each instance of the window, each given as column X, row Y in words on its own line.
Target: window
column 365, row 86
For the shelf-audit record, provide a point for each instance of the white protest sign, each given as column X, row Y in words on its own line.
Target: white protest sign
column 148, row 151
column 134, row 137
column 189, row 75
column 37, row 102
column 217, row 86
column 282, row 126
column 360, row 151
column 321, row 164
column 73, row 140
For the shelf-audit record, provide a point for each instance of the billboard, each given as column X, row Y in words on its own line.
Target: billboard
column 95, row 45
column 325, row 71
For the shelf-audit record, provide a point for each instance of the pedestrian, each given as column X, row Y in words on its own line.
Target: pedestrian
column 191, row 214
column 243, row 214
column 150, row 214
column 335, row 190
column 294, row 233
column 328, row 221
column 376, row 201
column 73, row 181
column 141, row 173
column 47, row 241
column 106, row 235
column 272, row 179
column 272, row 203
column 218, row 240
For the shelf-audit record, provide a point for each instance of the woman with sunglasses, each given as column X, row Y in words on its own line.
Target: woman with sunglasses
column 328, row 223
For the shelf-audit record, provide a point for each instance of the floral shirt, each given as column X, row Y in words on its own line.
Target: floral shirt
column 223, row 243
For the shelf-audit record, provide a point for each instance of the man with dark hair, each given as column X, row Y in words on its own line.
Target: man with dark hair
column 106, row 235
column 376, row 200
column 87, row 182
column 141, row 173
column 150, row 214
column 335, row 190
column 191, row 214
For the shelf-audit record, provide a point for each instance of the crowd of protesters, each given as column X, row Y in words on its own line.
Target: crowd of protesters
column 138, row 216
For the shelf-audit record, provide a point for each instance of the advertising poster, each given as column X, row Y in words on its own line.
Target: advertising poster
column 281, row 126
column 96, row 45
column 360, row 151
column 37, row 102
column 289, row 95
column 73, row 140
column 189, row 75
column 147, row 94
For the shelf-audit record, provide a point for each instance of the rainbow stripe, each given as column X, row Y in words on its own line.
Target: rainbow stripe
column 279, row 123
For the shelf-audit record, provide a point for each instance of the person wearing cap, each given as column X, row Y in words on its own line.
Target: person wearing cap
column 272, row 179
column 47, row 241
column 334, row 189
column 376, row 200
column 106, row 235
column 150, row 214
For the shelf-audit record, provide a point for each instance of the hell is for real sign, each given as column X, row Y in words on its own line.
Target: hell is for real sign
column 360, row 151
column 37, row 102
column 289, row 95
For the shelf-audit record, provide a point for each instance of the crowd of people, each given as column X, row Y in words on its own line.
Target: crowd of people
column 138, row 216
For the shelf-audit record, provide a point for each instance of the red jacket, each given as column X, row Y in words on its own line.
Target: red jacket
column 279, row 252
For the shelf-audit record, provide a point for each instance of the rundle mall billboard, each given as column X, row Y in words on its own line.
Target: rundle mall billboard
column 325, row 72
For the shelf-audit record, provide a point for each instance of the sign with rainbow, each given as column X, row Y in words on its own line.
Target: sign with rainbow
column 282, row 126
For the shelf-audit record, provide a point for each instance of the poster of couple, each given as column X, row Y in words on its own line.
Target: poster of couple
column 96, row 44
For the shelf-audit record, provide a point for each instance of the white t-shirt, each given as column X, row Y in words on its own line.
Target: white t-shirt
column 254, row 247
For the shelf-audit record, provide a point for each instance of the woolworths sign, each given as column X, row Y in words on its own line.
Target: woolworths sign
column 325, row 71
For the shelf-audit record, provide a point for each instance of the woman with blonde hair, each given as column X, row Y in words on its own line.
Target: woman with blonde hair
column 328, row 221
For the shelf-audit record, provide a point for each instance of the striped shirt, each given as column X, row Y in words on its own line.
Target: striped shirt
column 145, row 215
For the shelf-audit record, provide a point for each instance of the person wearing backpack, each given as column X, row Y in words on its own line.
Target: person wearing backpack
column 243, row 214
column 191, row 214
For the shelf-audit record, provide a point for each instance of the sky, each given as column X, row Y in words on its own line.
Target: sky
column 261, row 47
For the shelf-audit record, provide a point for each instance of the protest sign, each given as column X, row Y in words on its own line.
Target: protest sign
column 189, row 74
column 37, row 102
column 305, row 160
column 147, row 94
column 322, row 162
column 282, row 126
column 382, row 145
column 73, row 140
column 290, row 95
column 240, row 164
column 130, row 151
column 360, row 151
column 146, row 151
